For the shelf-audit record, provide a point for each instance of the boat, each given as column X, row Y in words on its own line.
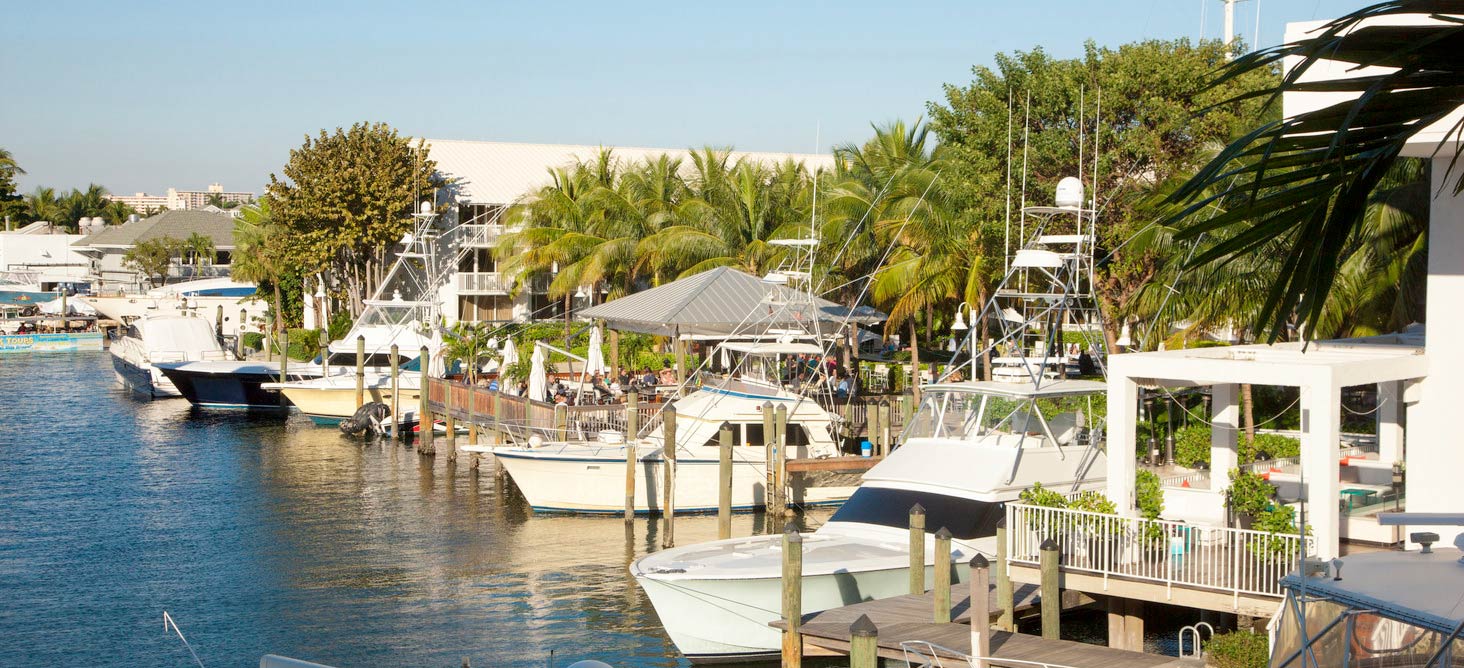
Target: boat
column 23, row 288
column 234, row 384
column 328, row 400
column 162, row 338
column 588, row 476
column 201, row 297
column 971, row 447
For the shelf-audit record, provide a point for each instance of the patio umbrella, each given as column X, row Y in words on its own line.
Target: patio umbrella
column 509, row 355
column 537, row 389
column 595, row 356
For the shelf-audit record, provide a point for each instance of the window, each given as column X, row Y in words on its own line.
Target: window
column 753, row 434
column 964, row 518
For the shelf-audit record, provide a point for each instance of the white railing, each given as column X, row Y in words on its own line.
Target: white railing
column 481, row 282
column 481, row 235
column 1238, row 561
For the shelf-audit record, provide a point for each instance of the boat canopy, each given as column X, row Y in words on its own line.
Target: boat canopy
column 1052, row 389
column 177, row 334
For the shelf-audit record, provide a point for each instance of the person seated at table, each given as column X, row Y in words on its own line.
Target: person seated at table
column 493, row 385
column 647, row 379
column 617, row 390
column 560, row 399
column 598, row 384
column 668, row 377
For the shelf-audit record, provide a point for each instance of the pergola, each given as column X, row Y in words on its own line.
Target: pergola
column 1320, row 369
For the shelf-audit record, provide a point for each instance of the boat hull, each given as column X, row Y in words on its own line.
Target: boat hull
column 237, row 390
column 330, row 405
column 143, row 379
column 597, row 484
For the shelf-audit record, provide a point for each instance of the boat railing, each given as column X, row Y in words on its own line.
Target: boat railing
column 524, row 416
column 1175, row 554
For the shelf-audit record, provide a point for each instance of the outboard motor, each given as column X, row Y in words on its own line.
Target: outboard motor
column 364, row 416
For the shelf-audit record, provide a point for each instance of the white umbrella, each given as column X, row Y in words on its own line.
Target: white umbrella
column 537, row 390
column 436, row 366
column 595, row 357
column 509, row 354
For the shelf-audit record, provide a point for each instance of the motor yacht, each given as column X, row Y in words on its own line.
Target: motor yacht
column 587, row 475
column 201, row 297
column 328, row 400
column 155, row 339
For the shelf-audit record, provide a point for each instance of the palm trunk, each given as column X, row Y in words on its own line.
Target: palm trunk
column 279, row 309
column 914, row 361
column 1249, row 418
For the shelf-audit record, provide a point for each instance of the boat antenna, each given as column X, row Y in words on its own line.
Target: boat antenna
column 1026, row 133
column 1082, row 138
column 1006, row 233
column 1093, row 223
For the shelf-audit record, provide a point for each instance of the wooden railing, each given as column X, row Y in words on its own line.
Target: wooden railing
column 1237, row 561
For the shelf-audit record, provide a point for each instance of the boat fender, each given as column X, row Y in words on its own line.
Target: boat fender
column 362, row 419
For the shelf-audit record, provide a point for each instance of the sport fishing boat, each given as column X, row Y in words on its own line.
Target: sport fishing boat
column 22, row 288
column 156, row 339
column 588, row 475
column 200, row 297
column 328, row 400
column 972, row 446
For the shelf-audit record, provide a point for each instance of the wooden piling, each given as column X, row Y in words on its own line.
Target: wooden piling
column 218, row 317
column 917, row 549
column 284, row 364
column 1051, row 597
column 447, row 419
column 361, row 369
column 780, row 459
column 668, row 484
column 863, row 643
column 239, row 334
column 632, row 428
column 942, row 586
column 324, row 341
column 792, row 598
column 1007, row 620
column 770, row 446
column 680, row 365
column 980, row 610
column 396, row 392
column 425, row 436
column 472, row 414
column 561, row 422
column 724, row 484
column 872, row 420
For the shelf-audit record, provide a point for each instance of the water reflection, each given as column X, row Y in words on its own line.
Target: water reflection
column 260, row 535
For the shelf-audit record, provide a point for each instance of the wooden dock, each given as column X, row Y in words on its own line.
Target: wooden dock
column 905, row 619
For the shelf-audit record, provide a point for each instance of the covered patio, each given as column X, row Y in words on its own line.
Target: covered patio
column 1320, row 370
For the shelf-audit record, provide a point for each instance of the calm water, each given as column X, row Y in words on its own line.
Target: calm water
column 272, row 536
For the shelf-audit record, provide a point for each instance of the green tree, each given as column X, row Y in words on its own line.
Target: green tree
column 262, row 254
column 117, row 213
column 199, row 249
column 345, row 198
column 152, row 258
column 215, row 199
column 12, row 205
column 1310, row 178
column 467, row 342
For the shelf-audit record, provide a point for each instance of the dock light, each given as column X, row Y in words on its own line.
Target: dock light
column 960, row 323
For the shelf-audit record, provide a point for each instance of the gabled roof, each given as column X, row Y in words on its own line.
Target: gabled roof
column 488, row 172
column 179, row 224
column 720, row 302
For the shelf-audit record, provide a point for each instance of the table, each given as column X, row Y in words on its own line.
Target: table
column 1352, row 496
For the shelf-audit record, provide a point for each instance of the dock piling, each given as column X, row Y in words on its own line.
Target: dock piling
column 770, row 445
column 218, row 317
column 396, row 391
column 361, row 370
column 668, row 485
column 324, row 341
column 780, row 460
column 1051, row 597
column 724, row 484
column 792, row 598
column 448, row 420
column 239, row 334
column 980, row 610
column 863, row 643
column 872, row 420
column 942, row 586
column 632, row 428
column 917, row 549
column 1007, row 620
column 425, row 436
column 284, row 363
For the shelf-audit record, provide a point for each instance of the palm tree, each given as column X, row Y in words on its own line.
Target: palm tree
column 117, row 213
column 42, row 204
column 1310, row 178
column 8, row 163
column 200, row 249
column 467, row 342
column 261, row 252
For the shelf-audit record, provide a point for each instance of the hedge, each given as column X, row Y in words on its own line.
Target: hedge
column 1238, row 649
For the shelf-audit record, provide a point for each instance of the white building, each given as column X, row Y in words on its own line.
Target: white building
column 490, row 176
column 178, row 200
column 42, row 248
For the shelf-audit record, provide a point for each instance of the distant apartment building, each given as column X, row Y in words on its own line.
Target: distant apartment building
column 180, row 200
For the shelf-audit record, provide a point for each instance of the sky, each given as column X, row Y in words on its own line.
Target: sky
column 146, row 96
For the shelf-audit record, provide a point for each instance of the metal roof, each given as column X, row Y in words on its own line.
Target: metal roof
column 179, row 224
column 488, row 172
column 721, row 301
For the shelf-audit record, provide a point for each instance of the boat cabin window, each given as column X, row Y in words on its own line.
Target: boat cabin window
column 753, row 434
column 945, row 415
column 966, row 519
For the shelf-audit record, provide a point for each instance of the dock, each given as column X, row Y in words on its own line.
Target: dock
column 903, row 620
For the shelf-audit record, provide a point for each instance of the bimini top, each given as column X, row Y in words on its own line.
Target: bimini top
column 773, row 348
column 1055, row 388
column 1411, row 587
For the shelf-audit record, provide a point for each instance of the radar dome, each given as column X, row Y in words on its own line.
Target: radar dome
column 1069, row 193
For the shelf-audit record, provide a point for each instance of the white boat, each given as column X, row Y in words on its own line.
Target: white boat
column 328, row 400
column 588, row 476
column 162, row 338
column 201, row 298
column 971, row 447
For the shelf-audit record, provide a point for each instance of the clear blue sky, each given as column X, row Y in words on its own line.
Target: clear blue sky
column 186, row 93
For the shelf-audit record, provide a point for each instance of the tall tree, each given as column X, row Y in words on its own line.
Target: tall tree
column 345, row 197
column 262, row 253
column 12, row 206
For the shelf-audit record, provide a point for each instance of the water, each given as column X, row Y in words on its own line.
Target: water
column 263, row 535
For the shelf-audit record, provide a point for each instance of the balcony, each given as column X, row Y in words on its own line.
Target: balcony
column 483, row 283
column 482, row 235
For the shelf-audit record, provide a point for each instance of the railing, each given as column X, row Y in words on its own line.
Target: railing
column 1238, row 561
column 483, row 235
column 522, row 416
column 470, row 282
column 925, row 654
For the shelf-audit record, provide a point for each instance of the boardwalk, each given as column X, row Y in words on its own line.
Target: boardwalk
column 904, row 619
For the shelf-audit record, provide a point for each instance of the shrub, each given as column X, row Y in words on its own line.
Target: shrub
column 1093, row 502
column 254, row 340
column 1276, row 446
column 304, row 343
column 1192, row 446
column 1249, row 493
column 1037, row 495
column 1148, row 494
column 1238, row 649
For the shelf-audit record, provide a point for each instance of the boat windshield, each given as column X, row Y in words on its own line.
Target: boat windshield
column 966, row 519
column 975, row 416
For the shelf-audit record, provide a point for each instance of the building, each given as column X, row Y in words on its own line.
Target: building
column 178, row 200
column 105, row 248
column 45, row 251
column 488, row 177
